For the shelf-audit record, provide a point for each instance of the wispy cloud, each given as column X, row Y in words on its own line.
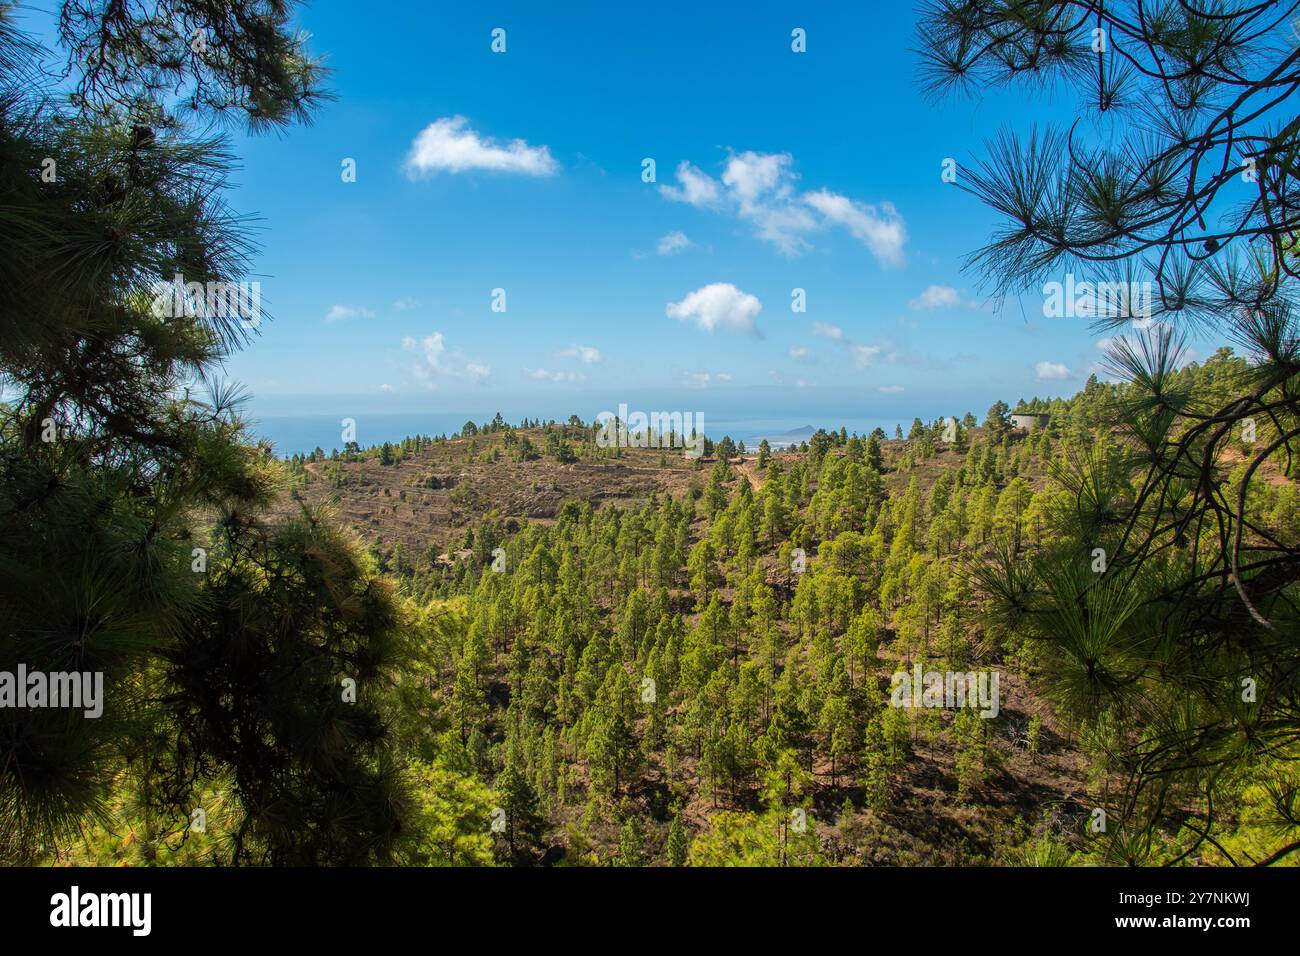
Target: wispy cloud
column 448, row 145
column 1051, row 370
column 879, row 228
column 672, row 242
column 863, row 355
column 543, row 375
column 718, row 305
column 697, row 188
column 890, row 389
column 435, row 361
column 939, row 297
column 762, row 189
column 339, row 313
column 587, row 354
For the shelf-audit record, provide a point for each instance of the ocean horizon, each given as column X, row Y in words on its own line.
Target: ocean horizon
column 302, row 434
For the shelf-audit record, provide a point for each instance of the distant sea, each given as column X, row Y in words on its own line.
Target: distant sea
column 301, row 434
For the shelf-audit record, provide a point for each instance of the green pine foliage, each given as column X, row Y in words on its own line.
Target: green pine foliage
column 699, row 679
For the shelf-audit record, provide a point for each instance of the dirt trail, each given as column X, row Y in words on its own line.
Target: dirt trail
column 749, row 469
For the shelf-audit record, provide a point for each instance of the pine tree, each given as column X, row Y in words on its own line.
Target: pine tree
column 519, row 841
column 111, row 456
column 678, row 842
column 1195, row 593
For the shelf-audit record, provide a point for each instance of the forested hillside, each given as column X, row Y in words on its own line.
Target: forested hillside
column 697, row 671
column 520, row 645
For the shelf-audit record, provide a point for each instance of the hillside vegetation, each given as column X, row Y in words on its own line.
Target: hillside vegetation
column 620, row 649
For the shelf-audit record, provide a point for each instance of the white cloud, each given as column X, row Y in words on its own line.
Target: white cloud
column 890, row 389
column 543, row 375
column 448, row 145
column 724, row 376
column 937, row 297
column 405, row 304
column 435, row 361
column 386, row 388
column 750, row 175
column 782, row 225
column 879, row 228
column 586, row 353
column 697, row 187
column 672, row 242
column 338, row 313
column 761, row 185
column 718, row 304
column 801, row 353
column 863, row 354
column 1051, row 370
column 760, row 188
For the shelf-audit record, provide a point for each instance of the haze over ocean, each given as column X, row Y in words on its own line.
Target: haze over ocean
column 300, row 434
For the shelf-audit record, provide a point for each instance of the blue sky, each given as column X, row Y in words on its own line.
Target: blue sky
column 522, row 171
